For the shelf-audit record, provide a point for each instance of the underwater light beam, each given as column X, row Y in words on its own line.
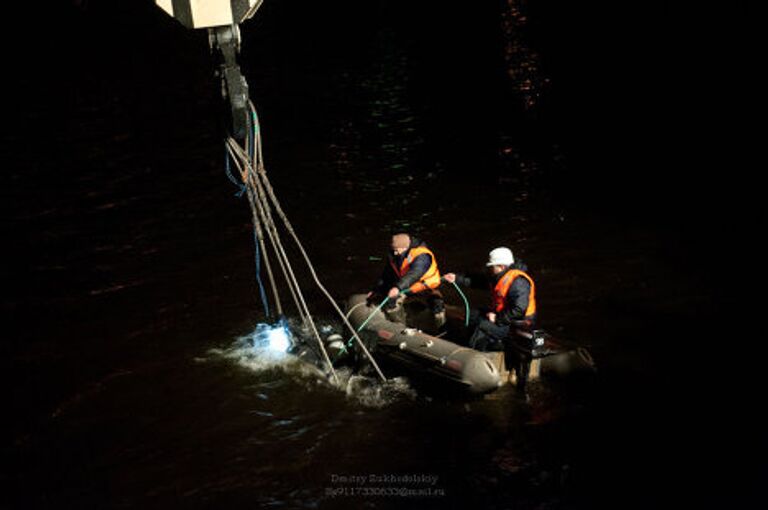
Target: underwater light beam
column 274, row 338
column 278, row 339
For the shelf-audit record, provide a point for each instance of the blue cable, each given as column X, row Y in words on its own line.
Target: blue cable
column 252, row 155
column 228, row 171
column 239, row 194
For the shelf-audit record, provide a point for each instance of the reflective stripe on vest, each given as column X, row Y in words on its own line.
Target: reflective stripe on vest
column 501, row 290
column 429, row 280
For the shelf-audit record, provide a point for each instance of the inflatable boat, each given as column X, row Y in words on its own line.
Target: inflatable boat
column 415, row 346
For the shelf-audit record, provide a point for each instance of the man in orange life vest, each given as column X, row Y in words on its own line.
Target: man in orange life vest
column 411, row 268
column 513, row 305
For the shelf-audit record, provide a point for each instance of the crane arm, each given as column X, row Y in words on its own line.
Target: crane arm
column 222, row 19
column 210, row 13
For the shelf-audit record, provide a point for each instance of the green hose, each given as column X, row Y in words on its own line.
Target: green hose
column 384, row 302
column 349, row 342
column 466, row 303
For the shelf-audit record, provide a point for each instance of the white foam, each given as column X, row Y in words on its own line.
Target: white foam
column 362, row 389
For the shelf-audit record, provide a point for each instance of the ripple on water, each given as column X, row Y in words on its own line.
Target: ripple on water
column 361, row 389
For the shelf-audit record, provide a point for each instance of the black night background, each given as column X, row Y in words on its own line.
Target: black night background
column 610, row 144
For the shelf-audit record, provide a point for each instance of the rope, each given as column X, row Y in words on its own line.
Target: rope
column 262, row 293
column 270, row 192
column 261, row 206
column 258, row 229
column 262, row 210
column 285, row 265
column 257, row 239
column 262, row 199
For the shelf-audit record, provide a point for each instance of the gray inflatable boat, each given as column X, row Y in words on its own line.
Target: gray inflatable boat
column 409, row 346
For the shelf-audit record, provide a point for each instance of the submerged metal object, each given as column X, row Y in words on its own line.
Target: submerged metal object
column 428, row 354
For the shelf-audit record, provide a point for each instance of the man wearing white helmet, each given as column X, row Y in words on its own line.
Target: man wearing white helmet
column 513, row 300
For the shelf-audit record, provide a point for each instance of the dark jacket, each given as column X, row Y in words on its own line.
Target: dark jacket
column 517, row 298
column 418, row 268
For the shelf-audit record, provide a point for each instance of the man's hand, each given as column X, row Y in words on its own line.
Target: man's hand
column 450, row 277
column 393, row 293
column 491, row 316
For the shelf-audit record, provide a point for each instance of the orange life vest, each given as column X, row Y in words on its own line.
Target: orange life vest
column 501, row 290
column 429, row 280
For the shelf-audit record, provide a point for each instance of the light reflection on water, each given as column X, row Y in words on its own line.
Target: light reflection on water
column 364, row 390
column 522, row 63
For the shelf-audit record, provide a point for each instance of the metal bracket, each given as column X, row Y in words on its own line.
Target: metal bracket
column 225, row 46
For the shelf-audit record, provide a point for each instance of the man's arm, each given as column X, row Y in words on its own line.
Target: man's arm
column 471, row 280
column 419, row 267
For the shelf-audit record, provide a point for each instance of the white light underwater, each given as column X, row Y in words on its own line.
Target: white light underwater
column 274, row 338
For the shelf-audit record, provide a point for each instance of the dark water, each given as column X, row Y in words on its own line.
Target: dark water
column 128, row 265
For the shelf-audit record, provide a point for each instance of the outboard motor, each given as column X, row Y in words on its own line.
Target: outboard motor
column 536, row 353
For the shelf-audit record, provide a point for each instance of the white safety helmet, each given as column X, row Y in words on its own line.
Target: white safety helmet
column 500, row 257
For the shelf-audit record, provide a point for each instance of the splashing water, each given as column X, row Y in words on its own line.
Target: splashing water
column 268, row 348
column 370, row 391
